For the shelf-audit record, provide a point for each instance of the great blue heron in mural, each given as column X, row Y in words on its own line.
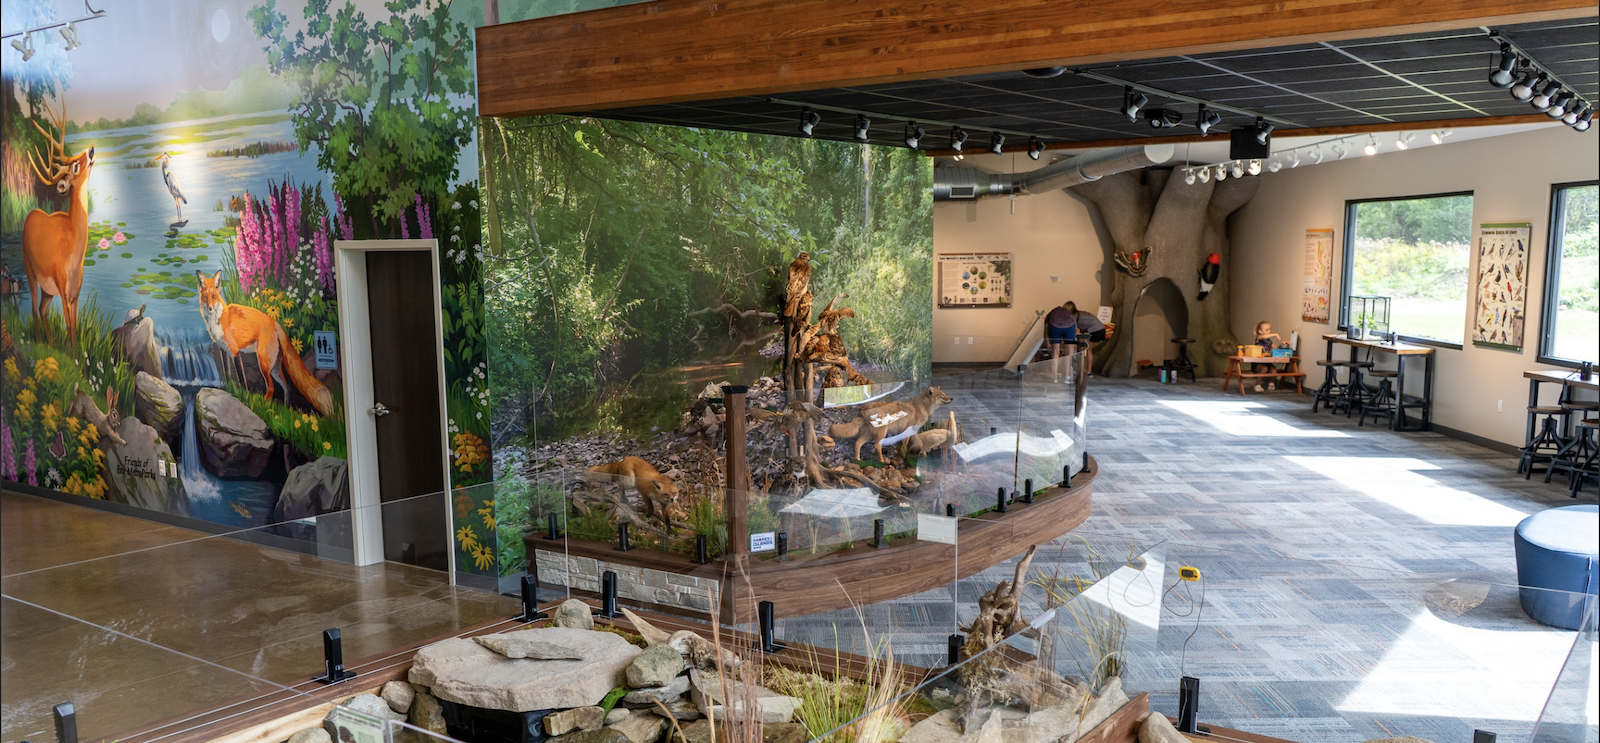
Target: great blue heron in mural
column 171, row 180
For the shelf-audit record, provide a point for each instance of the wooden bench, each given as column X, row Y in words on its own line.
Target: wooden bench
column 1236, row 370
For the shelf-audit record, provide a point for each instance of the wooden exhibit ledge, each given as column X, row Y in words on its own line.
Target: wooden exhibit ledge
column 862, row 574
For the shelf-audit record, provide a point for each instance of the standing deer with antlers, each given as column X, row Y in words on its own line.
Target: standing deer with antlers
column 53, row 244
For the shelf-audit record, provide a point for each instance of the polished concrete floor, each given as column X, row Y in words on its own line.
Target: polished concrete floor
column 135, row 622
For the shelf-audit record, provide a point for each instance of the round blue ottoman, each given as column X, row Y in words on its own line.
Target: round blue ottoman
column 1558, row 550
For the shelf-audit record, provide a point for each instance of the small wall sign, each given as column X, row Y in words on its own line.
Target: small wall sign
column 766, row 541
column 931, row 528
column 327, row 346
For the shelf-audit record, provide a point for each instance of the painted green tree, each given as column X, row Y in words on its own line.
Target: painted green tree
column 387, row 101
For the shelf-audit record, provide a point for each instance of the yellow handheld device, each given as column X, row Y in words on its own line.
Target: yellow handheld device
column 1188, row 573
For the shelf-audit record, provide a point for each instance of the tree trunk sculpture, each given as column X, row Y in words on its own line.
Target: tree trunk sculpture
column 1182, row 224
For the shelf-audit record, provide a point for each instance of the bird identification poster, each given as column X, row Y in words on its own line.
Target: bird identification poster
column 1500, row 296
column 1318, row 276
column 974, row 280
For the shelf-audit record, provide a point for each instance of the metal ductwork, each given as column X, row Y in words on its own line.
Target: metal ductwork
column 964, row 184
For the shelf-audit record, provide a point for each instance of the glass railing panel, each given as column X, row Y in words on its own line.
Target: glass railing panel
column 1571, row 714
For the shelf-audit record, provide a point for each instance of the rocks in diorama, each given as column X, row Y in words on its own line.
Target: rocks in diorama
column 158, row 404
column 234, row 441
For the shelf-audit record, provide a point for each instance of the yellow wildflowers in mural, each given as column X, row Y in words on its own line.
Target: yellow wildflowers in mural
column 470, row 451
column 481, row 558
column 467, row 537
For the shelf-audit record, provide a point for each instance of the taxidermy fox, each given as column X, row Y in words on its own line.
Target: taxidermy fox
column 882, row 420
column 242, row 328
column 660, row 495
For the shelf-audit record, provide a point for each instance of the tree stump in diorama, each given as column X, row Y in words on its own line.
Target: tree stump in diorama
column 1181, row 224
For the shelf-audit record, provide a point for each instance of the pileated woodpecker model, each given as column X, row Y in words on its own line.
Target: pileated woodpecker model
column 1209, row 273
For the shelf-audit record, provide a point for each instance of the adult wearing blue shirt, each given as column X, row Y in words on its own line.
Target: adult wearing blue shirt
column 1061, row 328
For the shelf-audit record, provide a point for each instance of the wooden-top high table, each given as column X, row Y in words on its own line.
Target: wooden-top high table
column 1402, row 352
column 1568, row 381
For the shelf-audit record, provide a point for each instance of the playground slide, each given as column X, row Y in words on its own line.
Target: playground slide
column 1028, row 347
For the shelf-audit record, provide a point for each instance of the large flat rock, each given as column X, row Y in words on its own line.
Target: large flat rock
column 465, row 672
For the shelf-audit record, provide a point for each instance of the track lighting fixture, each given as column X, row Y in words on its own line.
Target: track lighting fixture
column 862, row 125
column 1403, row 140
column 1527, row 86
column 1438, row 135
column 24, row 45
column 1205, row 175
column 69, row 34
column 1035, row 148
column 808, row 121
column 1293, row 159
column 1339, row 150
column 1263, row 130
column 1316, row 155
column 1237, row 169
column 1274, row 165
column 958, row 139
column 1503, row 77
column 1254, row 168
column 1558, row 105
column 1571, row 116
column 1584, row 119
column 1206, row 120
column 1132, row 103
column 997, row 143
column 1372, row 145
column 914, row 134
column 1222, row 173
column 1542, row 100
column 1188, row 176
column 1163, row 118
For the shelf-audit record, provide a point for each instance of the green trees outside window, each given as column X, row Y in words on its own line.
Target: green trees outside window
column 1572, row 277
column 1416, row 251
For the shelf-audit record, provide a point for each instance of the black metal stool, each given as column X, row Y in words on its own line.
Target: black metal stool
column 1331, row 388
column 1183, row 364
column 1546, row 443
column 1355, row 393
column 1587, row 467
column 1382, row 402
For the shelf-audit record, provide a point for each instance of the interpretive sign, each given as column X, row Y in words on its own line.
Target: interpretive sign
column 974, row 280
column 1318, row 276
column 1500, row 296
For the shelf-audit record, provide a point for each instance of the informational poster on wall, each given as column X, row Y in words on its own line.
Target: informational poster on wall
column 974, row 280
column 1501, row 291
column 1318, row 276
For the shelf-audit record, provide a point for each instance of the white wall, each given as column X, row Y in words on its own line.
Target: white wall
column 1056, row 255
column 1510, row 177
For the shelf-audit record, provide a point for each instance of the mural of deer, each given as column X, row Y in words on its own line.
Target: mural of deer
column 53, row 244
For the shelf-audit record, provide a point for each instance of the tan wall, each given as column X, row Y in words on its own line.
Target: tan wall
column 1050, row 235
column 1510, row 176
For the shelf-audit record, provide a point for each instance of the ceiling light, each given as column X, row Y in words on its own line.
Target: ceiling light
column 1163, row 118
column 1294, row 159
column 1372, row 145
column 1222, row 173
column 1237, row 169
column 1274, row 165
column 1572, row 115
column 808, row 121
column 1035, row 148
column 1254, row 167
column 1438, row 135
column 1205, row 175
column 1206, row 120
column 1584, row 120
column 1188, row 176
column 997, row 143
column 1527, row 86
column 862, row 125
column 1403, row 140
column 24, row 45
column 1503, row 77
column 1263, row 130
column 1316, row 155
column 1542, row 100
column 69, row 34
column 958, row 139
column 1558, row 105
column 1132, row 102
column 1339, row 150
column 914, row 135
column 1044, row 71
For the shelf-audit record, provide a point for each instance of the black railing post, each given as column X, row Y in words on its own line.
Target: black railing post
column 552, row 529
column 769, row 627
column 1000, row 499
column 877, row 532
column 702, row 554
column 950, row 510
column 783, row 545
column 608, row 596
column 333, row 659
column 530, row 596
column 953, row 649
column 1027, row 491
column 66, row 723
column 623, row 543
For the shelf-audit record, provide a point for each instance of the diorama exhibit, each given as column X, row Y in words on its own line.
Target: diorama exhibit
column 639, row 372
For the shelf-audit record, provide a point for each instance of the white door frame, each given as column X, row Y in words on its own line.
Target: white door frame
column 350, row 267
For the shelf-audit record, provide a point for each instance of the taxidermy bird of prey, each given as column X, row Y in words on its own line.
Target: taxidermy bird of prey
column 1209, row 273
column 799, row 283
column 172, row 184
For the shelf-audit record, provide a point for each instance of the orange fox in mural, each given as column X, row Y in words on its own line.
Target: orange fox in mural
column 242, row 328
column 53, row 244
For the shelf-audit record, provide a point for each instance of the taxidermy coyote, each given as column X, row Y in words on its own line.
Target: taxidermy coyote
column 659, row 494
column 242, row 328
column 881, row 420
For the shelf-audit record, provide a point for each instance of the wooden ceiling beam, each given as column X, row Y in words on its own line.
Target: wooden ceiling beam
column 668, row 51
column 1420, row 127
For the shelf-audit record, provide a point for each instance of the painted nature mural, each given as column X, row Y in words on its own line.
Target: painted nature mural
column 172, row 188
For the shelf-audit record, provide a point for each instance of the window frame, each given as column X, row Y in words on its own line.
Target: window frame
column 1350, row 265
column 1554, row 228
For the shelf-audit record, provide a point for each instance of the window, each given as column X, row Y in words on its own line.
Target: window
column 1572, row 277
column 1415, row 251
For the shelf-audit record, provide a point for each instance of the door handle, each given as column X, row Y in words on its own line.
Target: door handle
column 378, row 410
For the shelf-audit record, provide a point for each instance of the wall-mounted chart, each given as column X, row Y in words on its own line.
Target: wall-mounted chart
column 1501, row 292
column 1318, row 275
column 974, row 280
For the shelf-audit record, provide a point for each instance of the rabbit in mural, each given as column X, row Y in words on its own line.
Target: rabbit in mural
column 106, row 423
column 240, row 328
column 53, row 244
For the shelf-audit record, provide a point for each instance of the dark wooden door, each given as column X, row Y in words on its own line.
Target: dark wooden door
column 405, row 381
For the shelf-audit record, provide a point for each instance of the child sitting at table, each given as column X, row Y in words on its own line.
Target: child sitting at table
column 1268, row 340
